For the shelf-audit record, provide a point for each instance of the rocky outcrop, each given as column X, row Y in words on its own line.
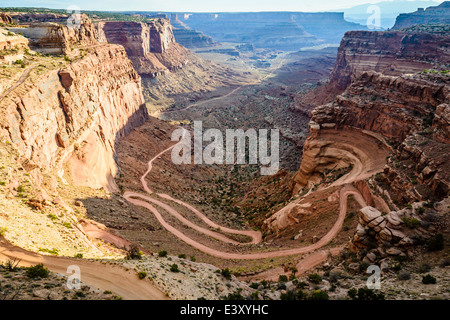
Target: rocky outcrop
column 389, row 52
column 150, row 46
column 6, row 18
column 431, row 15
column 77, row 115
column 188, row 37
column 389, row 235
column 390, row 108
column 54, row 38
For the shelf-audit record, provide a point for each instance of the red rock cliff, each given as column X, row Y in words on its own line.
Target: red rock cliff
column 389, row 52
column 77, row 115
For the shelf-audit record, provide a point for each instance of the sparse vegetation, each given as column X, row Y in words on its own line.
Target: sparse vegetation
column 142, row 275
column 174, row 268
column 133, row 253
column 162, row 253
column 315, row 278
column 226, row 273
column 428, row 279
column 364, row 294
column 37, row 271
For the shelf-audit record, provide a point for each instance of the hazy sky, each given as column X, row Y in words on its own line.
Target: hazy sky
column 193, row 5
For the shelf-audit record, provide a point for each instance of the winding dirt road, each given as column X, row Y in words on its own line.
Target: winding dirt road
column 103, row 276
column 143, row 201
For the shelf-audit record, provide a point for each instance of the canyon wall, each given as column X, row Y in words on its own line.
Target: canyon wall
column 76, row 115
column 403, row 107
column 188, row 37
column 150, row 46
column 432, row 15
column 390, row 52
column 54, row 38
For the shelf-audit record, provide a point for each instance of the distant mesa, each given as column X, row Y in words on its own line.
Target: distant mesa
column 432, row 15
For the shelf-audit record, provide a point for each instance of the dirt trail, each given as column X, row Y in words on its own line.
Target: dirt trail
column 348, row 189
column 200, row 103
column 103, row 276
column 21, row 80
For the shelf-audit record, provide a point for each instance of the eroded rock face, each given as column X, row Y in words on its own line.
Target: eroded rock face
column 439, row 14
column 390, row 52
column 5, row 18
column 54, row 38
column 77, row 115
column 150, row 46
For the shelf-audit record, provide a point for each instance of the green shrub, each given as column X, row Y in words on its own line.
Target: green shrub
column 226, row 273
column 3, row 231
column 235, row 295
column 182, row 256
column 435, row 243
column 254, row 285
column 319, row 295
column 174, row 268
column 364, row 294
column 142, row 275
column 411, row 223
column 78, row 256
column 37, row 271
column 282, row 278
column 20, row 62
column 315, row 278
column 428, row 279
column 133, row 252
column 162, row 253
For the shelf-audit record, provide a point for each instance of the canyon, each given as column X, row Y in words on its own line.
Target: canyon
column 87, row 118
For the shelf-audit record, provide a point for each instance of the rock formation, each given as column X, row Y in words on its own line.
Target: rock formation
column 77, row 114
column 54, row 38
column 431, row 15
column 188, row 37
column 5, row 18
column 389, row 52
column 151, row 47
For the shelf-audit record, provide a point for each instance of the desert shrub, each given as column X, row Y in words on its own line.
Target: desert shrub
column 20, row 62
column 162, row 253
column 133, row 252
column 435, row 243
column 364, row 294
column 319, row 295
column 37, row 271
column 315, row 278
column 404, row 275
column 2, row 231
column 293, row 295
column 282, row 278
column 254, row 285
column 78, row 256
column 428, row 279
column 226, row 273
column 142, row 275
column 11, row 264
column 182, row 256
column 411, row 223
column 174, row 268
column 235, row 295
